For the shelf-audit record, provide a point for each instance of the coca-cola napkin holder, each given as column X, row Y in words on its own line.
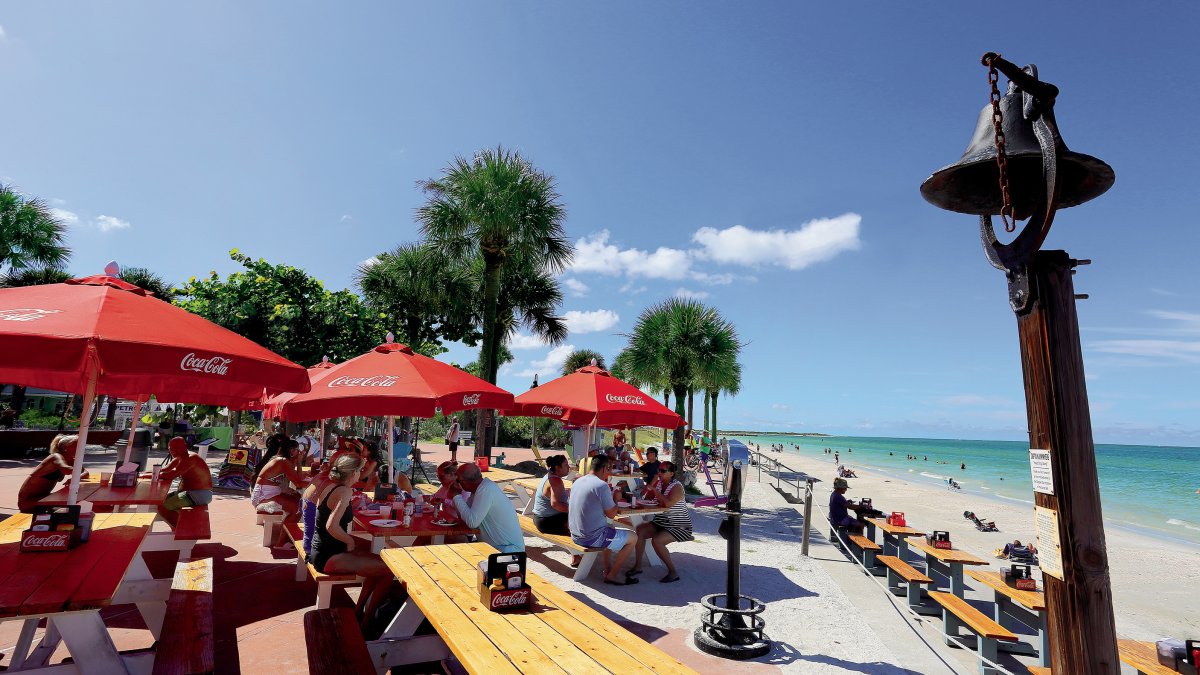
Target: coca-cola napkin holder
column 1019, row 577
column 124, row 478
column 939, row 539
column 53, row 528
column 496, row 567
column 384, row 492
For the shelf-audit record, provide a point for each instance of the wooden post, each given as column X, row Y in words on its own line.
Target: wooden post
column 1079, row 614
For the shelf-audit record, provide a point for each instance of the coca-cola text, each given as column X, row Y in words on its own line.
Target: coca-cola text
column 471, row 399
column 372, row 381
column 629, row 399
column 552, row 410
column 518, row 597
column 214, row 365
column 50, row 541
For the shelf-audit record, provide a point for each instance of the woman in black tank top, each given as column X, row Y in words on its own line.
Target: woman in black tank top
column 334, row 550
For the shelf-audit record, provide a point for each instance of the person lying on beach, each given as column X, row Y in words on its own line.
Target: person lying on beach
column 1017, row 551
column 195, row 481
column 49, row 473
column 840, row 507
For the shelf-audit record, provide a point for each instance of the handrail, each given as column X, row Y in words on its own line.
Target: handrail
column 760, row 459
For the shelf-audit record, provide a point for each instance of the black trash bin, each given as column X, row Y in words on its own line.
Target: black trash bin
column 140, row 453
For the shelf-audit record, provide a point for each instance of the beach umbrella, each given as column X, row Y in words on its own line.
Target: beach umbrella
column 100, row 334
column 272, row 405
column 392, row 380
column 592, row 397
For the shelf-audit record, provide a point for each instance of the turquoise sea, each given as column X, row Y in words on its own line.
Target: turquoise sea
column 1148, row 488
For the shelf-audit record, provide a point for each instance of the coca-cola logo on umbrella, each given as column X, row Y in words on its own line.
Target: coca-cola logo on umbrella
column 553, row 410
column 26, row 314
column 213, row 365
column 372, row 381
column 629, row 399
column 471, row 399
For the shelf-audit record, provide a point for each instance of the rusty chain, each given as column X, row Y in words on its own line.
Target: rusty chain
column 1006, row 208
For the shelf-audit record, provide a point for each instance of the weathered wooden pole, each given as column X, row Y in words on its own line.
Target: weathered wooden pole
column 1079, row 614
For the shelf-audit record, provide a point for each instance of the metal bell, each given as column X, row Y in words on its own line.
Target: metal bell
column 972, row 184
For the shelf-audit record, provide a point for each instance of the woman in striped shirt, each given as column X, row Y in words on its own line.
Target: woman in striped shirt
column 674, row 524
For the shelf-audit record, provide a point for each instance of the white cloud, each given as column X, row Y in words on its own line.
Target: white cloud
column 1189, row 321
column 64, row 216
column 345, row 217
column 1160, row 291
column 688, row 293
column 577, row 287
column 780, row 406
column 816, row 241
column 369, row 262
column 2, row 33
column 551, row 365
column 596, row 254
column 110, row 223
column 1179, row 351
column 523, row 341
column 591, row 322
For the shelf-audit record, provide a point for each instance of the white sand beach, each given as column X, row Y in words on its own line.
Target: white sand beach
column 1154, row 581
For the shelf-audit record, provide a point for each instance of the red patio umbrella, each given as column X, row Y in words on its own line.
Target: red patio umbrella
column 272, row 405
column 591, row 396
column 103, row 335
column 393, row 380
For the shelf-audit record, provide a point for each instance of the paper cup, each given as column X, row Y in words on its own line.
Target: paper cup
column 105, row 476
column 385, row 511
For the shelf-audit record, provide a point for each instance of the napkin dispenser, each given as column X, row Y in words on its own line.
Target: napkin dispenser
column 384, row 491
column 501, row 580
column 54, row 528
column 939, row 539
column 1019, row 577
column 897, row 519
column 126, row 475
column 1182, row 656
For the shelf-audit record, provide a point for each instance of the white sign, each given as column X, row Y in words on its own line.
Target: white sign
column 1049, row 552
column 1039, row 469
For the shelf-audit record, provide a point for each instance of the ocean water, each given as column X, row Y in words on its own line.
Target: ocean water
column 1151, row 489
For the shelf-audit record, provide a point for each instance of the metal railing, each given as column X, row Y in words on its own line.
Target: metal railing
column 800, row 480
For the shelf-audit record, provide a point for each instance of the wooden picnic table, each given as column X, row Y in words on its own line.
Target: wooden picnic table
column 503, row 475
column 1012, row 604
column 68, row 589
column 141, row 497
column 422, row 526
column 1142, row 657
column 894, row 536
column 559, row 634
column 948, row 562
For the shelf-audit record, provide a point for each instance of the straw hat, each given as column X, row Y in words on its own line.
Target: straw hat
column 840, row 484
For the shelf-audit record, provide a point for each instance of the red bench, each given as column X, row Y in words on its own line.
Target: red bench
column 186, row 643
column 335, row 643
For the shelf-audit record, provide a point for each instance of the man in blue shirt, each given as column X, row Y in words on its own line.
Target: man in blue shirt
column 489, row 510
column 588, row 510
column 840, row 507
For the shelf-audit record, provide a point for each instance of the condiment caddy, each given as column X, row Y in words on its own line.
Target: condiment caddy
column 501, row 580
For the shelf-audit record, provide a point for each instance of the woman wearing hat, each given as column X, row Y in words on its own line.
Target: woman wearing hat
column 840, row 508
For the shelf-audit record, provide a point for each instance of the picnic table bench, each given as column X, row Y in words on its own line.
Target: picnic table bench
column 948, row 562
column 186, row 646
column 560, row 634
column 587, row 555
column 895, row 540
column 900, row 571
column 304, row 569
column 957, row 613
column 1015, row 605
column 68, row 589
column 335, row 643
column 868, row 549
column 1139, row 655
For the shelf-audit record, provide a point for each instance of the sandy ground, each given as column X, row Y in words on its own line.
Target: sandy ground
column 1154, row 581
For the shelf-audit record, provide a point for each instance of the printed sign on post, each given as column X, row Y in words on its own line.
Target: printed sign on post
column 1045, row 523
column 1039, row 468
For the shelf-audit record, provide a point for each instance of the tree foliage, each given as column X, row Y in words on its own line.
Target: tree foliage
column 30, row 235
column 147, row 280
column 580, row 358
column 287, row 311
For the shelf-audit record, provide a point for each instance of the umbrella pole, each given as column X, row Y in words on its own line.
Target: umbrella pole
column 81, row 446
column 321, row 457
column 391, row 452
column 137, row 414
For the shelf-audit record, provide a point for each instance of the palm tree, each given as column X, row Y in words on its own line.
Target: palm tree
column 34, row 276
column 499, row 207
column 30, row 235
column 580, row 358
column 145, row 279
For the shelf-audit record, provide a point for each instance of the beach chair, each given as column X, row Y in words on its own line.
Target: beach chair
column 402, row 453
column 537, row 455
column 640, row 457
column 715, row 499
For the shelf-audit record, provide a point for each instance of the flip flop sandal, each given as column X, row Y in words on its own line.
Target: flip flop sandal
column 629, row 581
column 669, row 579
column 633, row 573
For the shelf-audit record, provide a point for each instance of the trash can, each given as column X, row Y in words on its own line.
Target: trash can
column 140, row 453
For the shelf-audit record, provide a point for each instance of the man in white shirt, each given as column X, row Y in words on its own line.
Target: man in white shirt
column 588, row 510
column 452, row 438
column 489, row 510
column 310, row 447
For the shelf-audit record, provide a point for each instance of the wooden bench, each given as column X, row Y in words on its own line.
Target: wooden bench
column 185, row 646
column 335, row 643
column 269, row 521
column 1141, row 656
column 325, row 582
column 1038, row 670
column 193, row 524
column 899, row 571
column 588, row 555
column 957, row 613
column 869, row 550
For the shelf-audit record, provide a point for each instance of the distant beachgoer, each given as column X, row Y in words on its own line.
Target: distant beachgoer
column 55, row 467
column 837, row 458
column 452, row 438
column 963, row 466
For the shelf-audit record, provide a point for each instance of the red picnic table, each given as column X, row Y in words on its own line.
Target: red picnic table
column 69, row 589
column 423, row 525
column 140, row 497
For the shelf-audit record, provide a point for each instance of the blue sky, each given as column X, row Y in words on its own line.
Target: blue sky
column 765, row 157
